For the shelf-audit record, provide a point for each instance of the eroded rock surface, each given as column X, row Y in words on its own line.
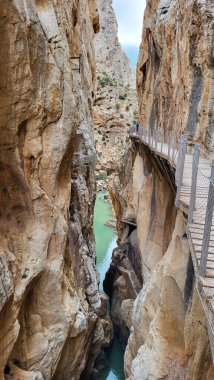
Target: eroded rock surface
column 115, row 94
column 51, row 325
column 175, row 68
column 169, row 337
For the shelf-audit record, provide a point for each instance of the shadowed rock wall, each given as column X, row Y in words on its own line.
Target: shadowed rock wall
column 49, row 299
column 168, row 336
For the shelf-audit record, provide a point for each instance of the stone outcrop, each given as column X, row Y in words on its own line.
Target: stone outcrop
column 175, row 68
column 110, row 57
column 122, row 286
column 115, row 94
column 52, row 321
column 169, row 336
column 168, row 328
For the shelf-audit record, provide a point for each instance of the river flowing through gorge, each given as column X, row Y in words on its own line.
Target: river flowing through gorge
column 105, row 243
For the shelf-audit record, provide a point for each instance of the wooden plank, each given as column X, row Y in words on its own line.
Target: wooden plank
column 200, row 242
column 198, row 249
column 209, row 292
column 185, row 184
column 210, row 256
column 209, row 273
column 201, row 221
column 199, row 195
column 196, row 223
column 210, row 264
column 208, row 282
column 197, row 226
column 199, row 236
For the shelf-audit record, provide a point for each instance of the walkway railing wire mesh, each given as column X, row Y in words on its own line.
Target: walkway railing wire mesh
column 194, row 178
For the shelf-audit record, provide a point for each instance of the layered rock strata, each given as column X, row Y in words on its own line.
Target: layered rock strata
column 175, row 68
column 53, row 321
column 115, row 96
column 169, row 337
column 122, row 285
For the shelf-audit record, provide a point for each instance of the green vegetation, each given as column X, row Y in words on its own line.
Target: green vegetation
column 117, row 106
column 127, row 108
column 106, row 80
column 121, row 116
column 123, row 97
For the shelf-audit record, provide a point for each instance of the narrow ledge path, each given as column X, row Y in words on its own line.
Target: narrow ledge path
column 194, row 178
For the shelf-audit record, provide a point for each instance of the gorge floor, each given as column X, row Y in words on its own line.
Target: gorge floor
column 105, row 243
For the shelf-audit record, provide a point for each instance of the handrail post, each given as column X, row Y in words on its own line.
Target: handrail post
column 195, row 161
column 173, row 148
column 180, row 168
column 162, row 141
column 207, row 225
column 169, row 143
column 178, row 159
column 156, row 140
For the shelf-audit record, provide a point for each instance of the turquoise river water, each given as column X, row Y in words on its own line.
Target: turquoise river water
column 105, row 243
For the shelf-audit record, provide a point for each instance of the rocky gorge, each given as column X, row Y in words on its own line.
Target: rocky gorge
column 53, row 320
column 67, row 94
column 115, row 103
column 164, row 322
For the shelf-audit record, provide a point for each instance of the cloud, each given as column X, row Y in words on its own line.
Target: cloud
column 130, row 20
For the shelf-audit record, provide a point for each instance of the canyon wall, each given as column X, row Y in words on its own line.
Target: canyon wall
column 115, row 92
column 168, row 331
column 53, row 321
column 175, row 68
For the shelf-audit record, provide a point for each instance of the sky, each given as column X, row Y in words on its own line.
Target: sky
column 130, row 20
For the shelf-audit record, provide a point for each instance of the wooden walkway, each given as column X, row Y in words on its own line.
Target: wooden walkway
column 194, row 177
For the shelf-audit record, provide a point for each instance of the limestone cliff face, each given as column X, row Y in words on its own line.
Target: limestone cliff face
column 110, row 57
column 169, row 336
column 175, row 68
column 51, row 314
column 115, row 94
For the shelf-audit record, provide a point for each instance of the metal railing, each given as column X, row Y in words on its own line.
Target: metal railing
column 166, row 144
column 201, row 199
column 195, row 170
